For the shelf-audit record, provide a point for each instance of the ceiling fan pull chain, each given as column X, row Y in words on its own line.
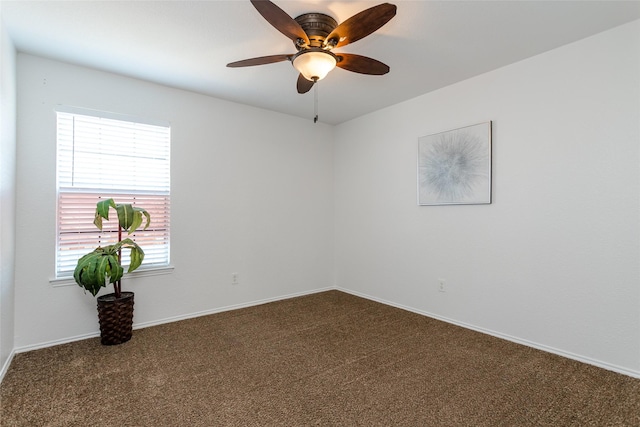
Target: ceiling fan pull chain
column 315, row 102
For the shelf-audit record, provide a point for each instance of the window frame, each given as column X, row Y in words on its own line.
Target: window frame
column 64, row 276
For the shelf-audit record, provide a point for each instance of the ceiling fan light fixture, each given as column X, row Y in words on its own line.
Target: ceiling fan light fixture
column 314, row 64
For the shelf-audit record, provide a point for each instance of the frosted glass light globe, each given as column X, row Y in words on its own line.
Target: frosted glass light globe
column 314, row 65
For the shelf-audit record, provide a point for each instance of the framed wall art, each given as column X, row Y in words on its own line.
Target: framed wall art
column 454, row 167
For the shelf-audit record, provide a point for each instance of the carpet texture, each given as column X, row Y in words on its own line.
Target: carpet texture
column 328, row 359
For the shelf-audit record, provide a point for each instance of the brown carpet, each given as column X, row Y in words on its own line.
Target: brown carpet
column 328, row 359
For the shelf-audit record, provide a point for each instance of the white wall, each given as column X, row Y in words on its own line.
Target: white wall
column 554, row 261
column 251, row 193
column 7, row 193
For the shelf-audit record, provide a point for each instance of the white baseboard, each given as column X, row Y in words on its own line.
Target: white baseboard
column 569, row 355
column 5, row 367
column 53, row 343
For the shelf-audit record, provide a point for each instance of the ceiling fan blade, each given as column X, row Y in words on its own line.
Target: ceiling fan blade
column 261, row 60
column 303, row 84
column 361, row 24
column 280, row 20
column 362, row 64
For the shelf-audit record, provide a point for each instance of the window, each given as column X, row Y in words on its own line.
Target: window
column 102, row 155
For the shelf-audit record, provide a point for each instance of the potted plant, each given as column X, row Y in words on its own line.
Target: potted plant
column 104, row 265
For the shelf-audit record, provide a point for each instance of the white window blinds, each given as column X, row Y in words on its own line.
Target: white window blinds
column 100, row 157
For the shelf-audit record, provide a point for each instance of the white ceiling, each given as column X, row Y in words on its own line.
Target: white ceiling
column 187, row 44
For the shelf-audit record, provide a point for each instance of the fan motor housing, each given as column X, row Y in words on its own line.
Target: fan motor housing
column 317, row 26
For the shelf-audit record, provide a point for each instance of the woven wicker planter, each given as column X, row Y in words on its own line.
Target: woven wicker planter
column 116, row 318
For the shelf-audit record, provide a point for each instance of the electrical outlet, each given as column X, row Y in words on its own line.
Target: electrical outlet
column 442, row 285
column 235, row 279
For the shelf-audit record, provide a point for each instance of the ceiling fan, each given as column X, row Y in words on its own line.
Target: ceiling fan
column 315, row 34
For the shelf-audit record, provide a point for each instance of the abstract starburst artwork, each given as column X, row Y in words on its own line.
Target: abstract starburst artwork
column 454, row 167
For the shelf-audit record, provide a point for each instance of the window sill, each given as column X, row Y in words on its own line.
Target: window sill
column 141, row 272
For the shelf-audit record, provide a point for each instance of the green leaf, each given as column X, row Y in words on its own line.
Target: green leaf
column 83, row 274
column 129, row 217
column 96, row 269
column 109, row 268
column 102, row 211
column 146, row 214
column 137, row 255
column 125, row 215
column 137, row 220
